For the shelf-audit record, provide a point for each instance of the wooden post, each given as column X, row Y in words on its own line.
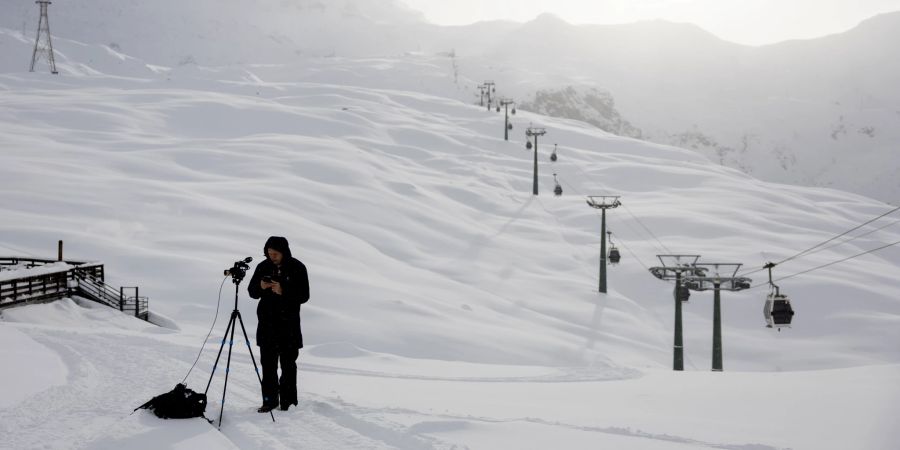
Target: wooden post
column 60, row 250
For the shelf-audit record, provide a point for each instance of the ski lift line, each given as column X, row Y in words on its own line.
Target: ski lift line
column 854, row 237
column 840, row 260
column 621, row 240
column 648, row 230
column 665, row 249
column 644, row 226
column 622, row 243
column 632, row 215
column 842, row 234
column 829, row 264
column 809, row 250
column 584, row 174
column 656, row 248
column 571, row 187
column 210, row 330
column 19, row 250
column 626, row 225
column 805, row 252
column 555, row 218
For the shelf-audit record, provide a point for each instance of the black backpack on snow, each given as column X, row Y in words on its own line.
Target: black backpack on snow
column 179, row 403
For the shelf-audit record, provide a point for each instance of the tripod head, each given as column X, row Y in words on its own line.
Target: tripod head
column 239, row 270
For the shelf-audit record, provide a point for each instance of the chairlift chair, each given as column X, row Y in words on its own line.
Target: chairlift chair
column 509, row 126
column 498, row 108
column 513, row 110
column 553, row 156
column 528, row 145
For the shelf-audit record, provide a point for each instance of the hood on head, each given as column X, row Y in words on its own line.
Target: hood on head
column 279, row 244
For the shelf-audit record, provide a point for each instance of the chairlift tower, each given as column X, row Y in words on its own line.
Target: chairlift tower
column 529, row 133
column 674, row 267
column 505, row 102
column 718, row 277
column 42, row 43
column 489, row 89
column 603, row 202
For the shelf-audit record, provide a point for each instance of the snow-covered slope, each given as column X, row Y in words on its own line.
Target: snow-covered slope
column 386, row 190
column 449, row 305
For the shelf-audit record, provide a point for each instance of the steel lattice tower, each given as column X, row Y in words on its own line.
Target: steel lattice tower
column 40, row 46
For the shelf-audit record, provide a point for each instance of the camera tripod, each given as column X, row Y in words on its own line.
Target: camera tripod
column 237, row 276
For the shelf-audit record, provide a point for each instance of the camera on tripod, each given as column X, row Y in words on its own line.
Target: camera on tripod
column 237, row 273
column 239, row 270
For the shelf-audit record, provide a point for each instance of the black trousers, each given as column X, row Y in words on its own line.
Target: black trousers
column 277, row 390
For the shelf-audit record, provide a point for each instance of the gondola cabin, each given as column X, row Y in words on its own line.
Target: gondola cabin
column 778, row 311
column 684, row 294
column 614, row 255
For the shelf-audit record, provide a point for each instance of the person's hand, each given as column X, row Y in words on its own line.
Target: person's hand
column 265, row 284
column 276, row 287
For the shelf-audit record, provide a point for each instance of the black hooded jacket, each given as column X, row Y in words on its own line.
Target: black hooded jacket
column 279, row 315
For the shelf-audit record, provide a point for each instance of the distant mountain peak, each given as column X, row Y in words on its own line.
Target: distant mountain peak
column 886, row 22
column 378, row 11
column 549, row 19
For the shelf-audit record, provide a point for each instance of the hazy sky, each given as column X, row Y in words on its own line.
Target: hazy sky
column 751, row 22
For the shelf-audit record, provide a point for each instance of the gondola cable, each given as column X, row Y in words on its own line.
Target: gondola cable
column 621, row 240
column 855, row 237
column 810, row 250
column 659, row 250
column 648, row 229
column 828, row 264
column 215, row 318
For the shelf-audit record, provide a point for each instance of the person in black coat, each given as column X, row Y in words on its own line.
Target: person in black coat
column 281, row 284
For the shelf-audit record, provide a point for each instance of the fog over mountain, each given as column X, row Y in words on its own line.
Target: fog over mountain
column 821, row 112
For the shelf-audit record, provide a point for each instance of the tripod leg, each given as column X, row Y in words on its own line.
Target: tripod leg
column 250, row 349
column 227, row 366
column 221, row 346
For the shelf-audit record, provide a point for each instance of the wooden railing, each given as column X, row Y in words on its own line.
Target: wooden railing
column 34, row 288
column 84, row 279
